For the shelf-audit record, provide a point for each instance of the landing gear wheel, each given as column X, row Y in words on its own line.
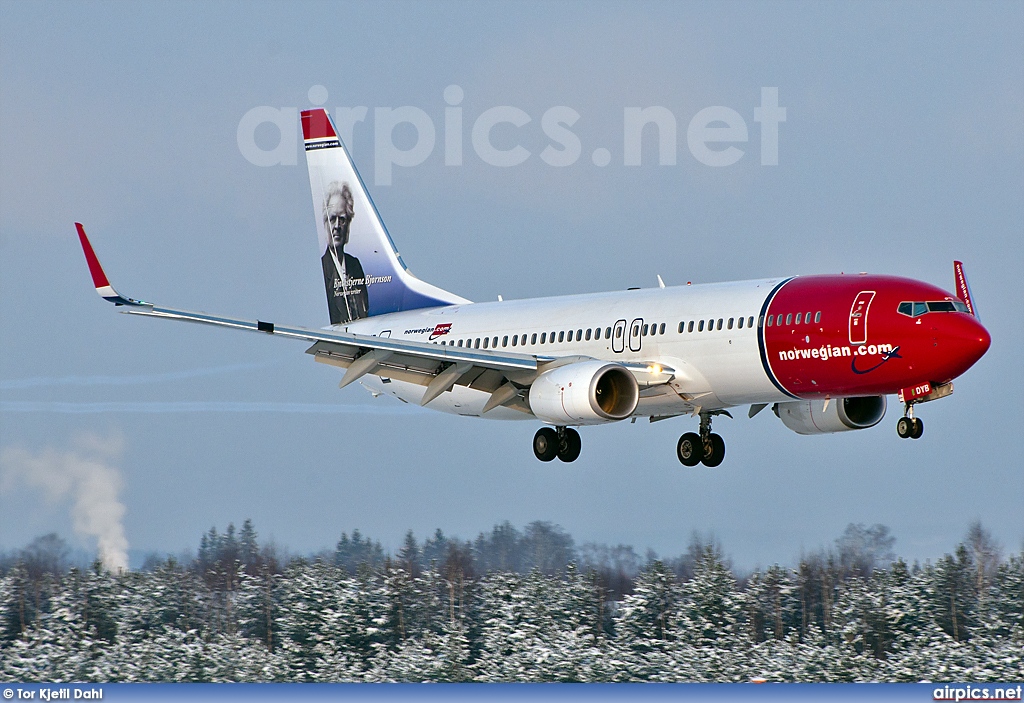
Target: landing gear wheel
column 714, row 450
column 545, row 444
column 918, row 428
column 905, row 427
column 570, row 445
column 690, row 450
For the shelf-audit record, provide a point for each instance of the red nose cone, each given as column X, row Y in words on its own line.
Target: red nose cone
column 962, row 341
column 983, row 341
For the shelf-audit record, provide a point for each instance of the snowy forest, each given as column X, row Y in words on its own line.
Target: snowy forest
column 513, row 605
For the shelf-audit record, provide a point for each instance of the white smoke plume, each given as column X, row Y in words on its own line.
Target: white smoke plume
column 86, row 475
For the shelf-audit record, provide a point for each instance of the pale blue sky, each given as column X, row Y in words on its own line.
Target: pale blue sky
column 903, row 149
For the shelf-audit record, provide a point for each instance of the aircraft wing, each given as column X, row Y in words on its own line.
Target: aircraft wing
column 436, row 366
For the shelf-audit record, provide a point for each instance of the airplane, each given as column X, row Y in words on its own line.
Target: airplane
column 823, row 350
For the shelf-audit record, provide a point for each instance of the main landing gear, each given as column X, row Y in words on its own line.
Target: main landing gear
column 563, row 442
column 908, row 426
column 706, row 447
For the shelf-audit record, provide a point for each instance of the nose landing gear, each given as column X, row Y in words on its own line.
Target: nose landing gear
column 908, row 426
column 563, row 442
column 707, row 448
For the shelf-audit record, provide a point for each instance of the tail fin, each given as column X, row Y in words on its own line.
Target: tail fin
column 363, row 273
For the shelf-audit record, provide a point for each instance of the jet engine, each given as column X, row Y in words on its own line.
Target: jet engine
column 584, row 393
column 841, row 415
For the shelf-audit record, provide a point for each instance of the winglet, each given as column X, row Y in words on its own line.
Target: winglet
column 963, row 288
column 99, row 278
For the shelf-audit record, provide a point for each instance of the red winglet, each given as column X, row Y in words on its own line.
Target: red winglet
column 317, row 125
column 963, row 288
column 99, row 278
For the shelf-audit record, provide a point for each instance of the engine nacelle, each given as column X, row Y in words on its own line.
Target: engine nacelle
column 842, row 415
column 584, row 393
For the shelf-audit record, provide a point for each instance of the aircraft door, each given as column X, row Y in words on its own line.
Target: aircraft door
column 619, row 336
column 635, row 336
column 859, row 317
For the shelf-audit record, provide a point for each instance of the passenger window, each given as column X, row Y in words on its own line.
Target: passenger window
column 789, row 319
column 486, row 340
column 543, row 337
column 644, row 333
column 807, row 318
column 719, row 323
column 607, row 332
column 460, row 343
column 618, row 332
column 750, row 321
column 729, row 324
column 494, row 344
column 661, row 329
column 588, row 334
column 533, row 339
column 770, row 318
column 681, row 325
column 476, row 344
column 797, row 320
column 579, row 335
column 515, row 338
column 689, row 327
column 504, row 341
column 561, row 336
column 739, row 323
column 700, row 327
column 817, row 316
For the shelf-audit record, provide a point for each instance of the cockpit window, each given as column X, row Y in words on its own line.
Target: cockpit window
column 915, row 309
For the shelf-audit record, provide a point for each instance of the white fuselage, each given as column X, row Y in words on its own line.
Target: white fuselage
column 713, row 368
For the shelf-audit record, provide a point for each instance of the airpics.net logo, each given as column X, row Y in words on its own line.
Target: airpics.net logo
column 716, row 136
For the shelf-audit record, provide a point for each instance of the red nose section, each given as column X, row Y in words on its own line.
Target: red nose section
column 962, row 340
column 980, row 341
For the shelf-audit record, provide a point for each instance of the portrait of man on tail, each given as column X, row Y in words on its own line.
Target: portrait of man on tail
column 347, row 297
